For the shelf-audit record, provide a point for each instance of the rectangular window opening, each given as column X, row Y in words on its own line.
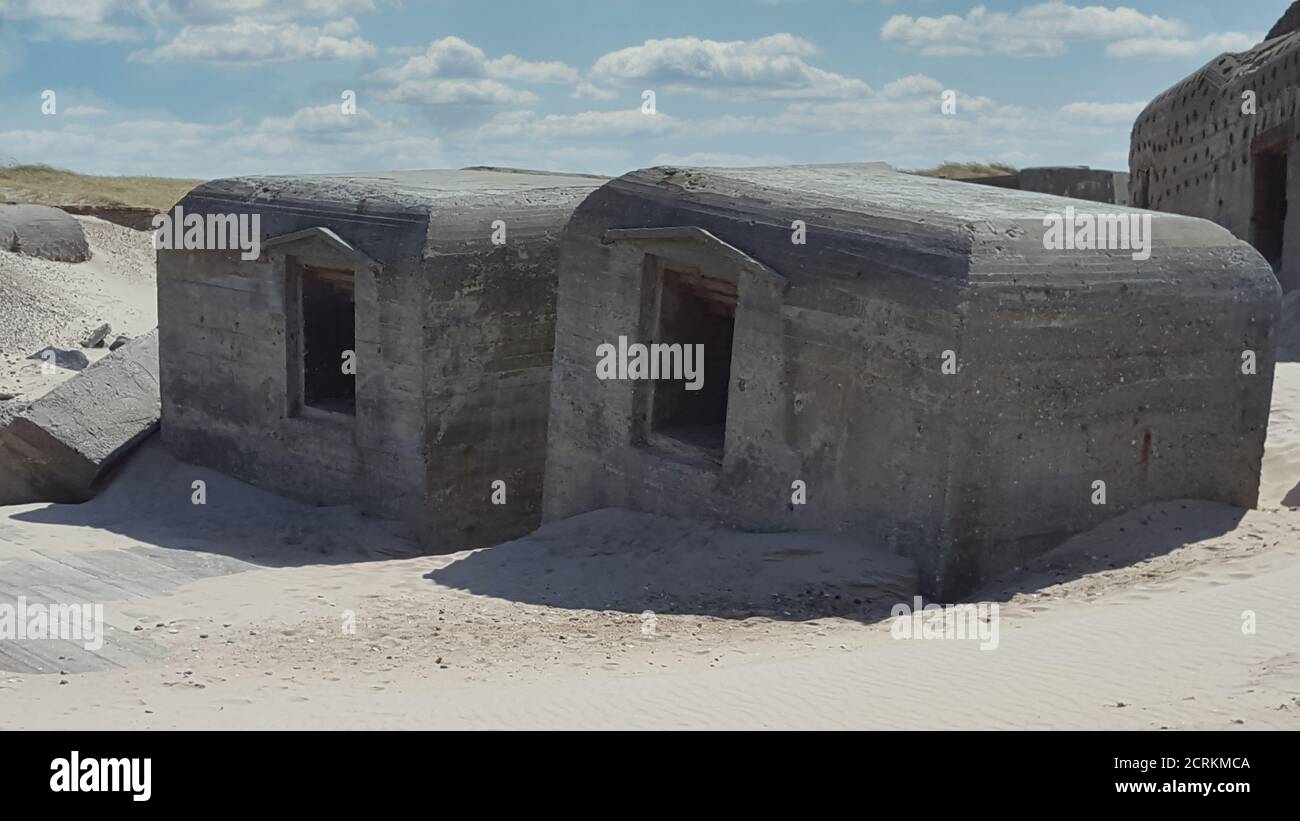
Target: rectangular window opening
column 1268, row 223
column 327, row 333
column 695, row 309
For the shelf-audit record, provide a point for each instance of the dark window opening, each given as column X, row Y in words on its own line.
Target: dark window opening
column 695, row 309
column 328, row 335
column 1268, row 224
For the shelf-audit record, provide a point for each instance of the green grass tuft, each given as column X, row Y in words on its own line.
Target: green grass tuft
column 966, row 170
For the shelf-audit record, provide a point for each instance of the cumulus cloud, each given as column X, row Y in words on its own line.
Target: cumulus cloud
column 255, row 41
column 317, row 139
column 772, row 66
column 1041, row 30
column 586, row 90
column 1173, row 47
column 453, row 71
column 222, row 11
column 511, row 67
column 87, row 20
column 124, row 20
column 456, row 92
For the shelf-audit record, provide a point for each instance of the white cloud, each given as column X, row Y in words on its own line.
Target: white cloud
column 903, row 123
column 448, row 57
column 224, row 11
column 708, row 158
column 456, row 92
column 1104, row 112
column 318, row 139
column 92, row 20
column 529, row 125
column 1171, row 47
column 771, row 66
column 84, row 111
column 911, row 85
column 452, row 71
column 124, row 20
column 254, row 41
column 1040, row 30
column 586, row 90
column 511, row 67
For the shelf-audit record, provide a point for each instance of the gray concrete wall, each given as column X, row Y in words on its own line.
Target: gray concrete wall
column 833, row 384
column 453, row 341
column 1078, row 182
column 225, row 362
column 1135, row 381
column 1082, row 183
column 487, row 347
column 1067, row 360
column 1194, row 144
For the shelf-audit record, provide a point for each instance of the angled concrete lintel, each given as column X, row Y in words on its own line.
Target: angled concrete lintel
column 358, row 258
column 694, row 234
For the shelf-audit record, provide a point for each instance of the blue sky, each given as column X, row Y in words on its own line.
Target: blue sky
column 209, row 88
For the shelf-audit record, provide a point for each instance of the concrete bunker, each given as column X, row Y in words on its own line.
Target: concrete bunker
column 1077, row 182
column 827, row 373
column 390, row 346
column 1220, row 145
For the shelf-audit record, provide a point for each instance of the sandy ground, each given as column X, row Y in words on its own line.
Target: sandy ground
column 256, row 612
column 57, row 303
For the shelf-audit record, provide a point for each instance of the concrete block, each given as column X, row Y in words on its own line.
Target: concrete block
column 60, row 447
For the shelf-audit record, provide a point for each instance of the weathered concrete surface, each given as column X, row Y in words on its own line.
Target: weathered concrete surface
column 453, row 344
column 58, row 448
column 1077, row 182
column 1195, row 150
column 1081, row 183
column 1074, row 366
column 1288, row 23
column 42, row 231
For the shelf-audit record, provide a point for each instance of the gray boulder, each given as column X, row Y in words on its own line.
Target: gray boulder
column 42, row 231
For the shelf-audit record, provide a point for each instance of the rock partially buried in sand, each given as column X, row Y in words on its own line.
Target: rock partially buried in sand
column 95, row 339
column 72, row 360
column 59, row 448
column 42, row 231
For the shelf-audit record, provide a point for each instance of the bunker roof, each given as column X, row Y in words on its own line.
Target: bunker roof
column 397, row 217
column 414, row 190
column 1231, row 67
column 873, row 195
column 872, row 189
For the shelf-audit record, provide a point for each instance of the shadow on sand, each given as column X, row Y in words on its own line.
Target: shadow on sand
column 605, row 560
column 150, row 500
column 631, row 562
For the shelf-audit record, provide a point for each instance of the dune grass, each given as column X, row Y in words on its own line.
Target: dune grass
column 966, row 170
column 45, row 185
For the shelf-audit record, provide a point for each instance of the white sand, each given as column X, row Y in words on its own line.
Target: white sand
column 57, row 303
column 241, row 603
